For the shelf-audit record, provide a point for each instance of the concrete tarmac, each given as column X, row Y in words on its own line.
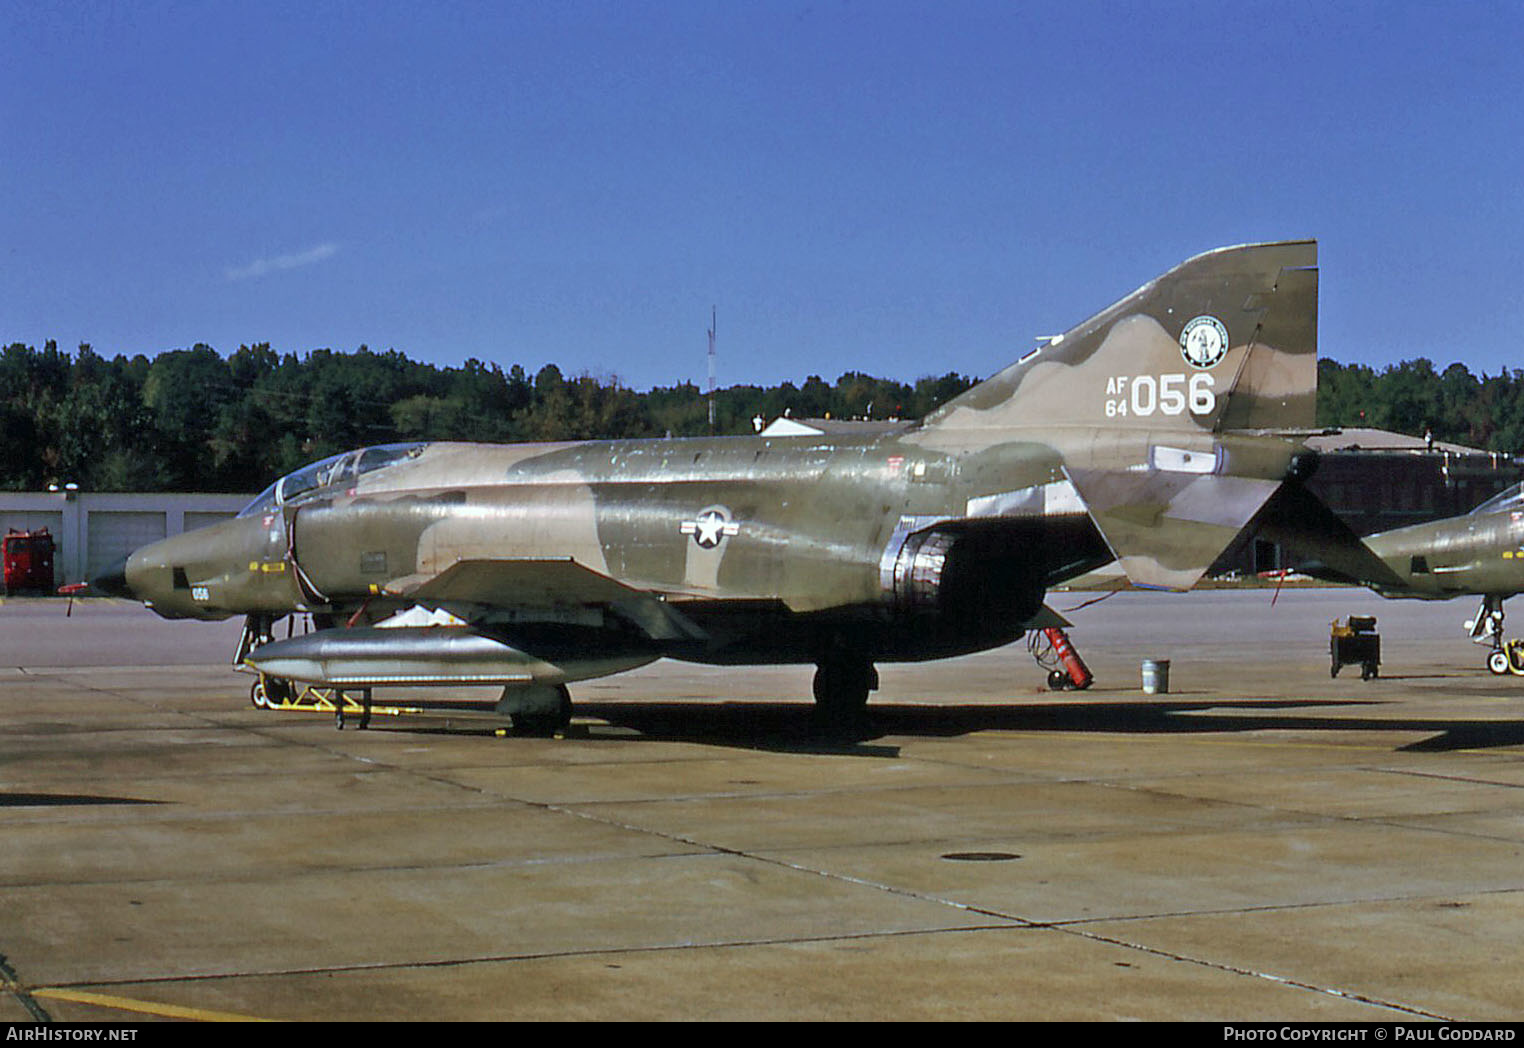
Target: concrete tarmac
column 1264, row 842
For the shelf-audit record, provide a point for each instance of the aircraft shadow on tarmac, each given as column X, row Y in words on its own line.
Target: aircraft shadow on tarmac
column 795, row 728
column 63, row 800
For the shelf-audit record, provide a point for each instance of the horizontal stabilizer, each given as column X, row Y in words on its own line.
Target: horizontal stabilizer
column 1327, row 547
column 1166, row 528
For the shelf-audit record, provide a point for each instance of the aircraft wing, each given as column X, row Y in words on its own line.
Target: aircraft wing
column 532, row 581
column 541, row 583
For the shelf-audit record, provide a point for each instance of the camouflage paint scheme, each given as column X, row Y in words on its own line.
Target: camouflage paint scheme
column 1477, row 553
column 1150, row 433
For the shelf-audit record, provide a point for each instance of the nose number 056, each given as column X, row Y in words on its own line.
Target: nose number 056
column 1143, row 395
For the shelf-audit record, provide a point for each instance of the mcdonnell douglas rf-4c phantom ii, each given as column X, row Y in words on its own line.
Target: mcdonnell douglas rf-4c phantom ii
column 1150, row 434
column 1480, row 553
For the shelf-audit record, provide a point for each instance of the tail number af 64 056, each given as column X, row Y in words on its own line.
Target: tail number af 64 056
column 1143, row 395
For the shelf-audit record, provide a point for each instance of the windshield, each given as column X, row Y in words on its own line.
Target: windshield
column 1508, row 498
column 343, row 468
column 264, row 502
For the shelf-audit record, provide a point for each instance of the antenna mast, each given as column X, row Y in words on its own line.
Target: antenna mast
column 713, row 323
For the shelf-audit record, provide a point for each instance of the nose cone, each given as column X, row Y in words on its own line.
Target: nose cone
column 112, row 580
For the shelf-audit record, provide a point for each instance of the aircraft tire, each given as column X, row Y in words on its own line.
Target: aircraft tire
column 1497, row 662
column 841, row 686
column 269, row 693
column 545, row 724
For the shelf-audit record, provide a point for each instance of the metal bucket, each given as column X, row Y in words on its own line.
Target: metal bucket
column 1156, row 676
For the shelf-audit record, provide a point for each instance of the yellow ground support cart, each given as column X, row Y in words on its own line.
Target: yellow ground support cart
column 1355, row 642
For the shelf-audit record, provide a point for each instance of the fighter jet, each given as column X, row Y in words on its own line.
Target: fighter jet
column 1480, row 553
column 1149, row 434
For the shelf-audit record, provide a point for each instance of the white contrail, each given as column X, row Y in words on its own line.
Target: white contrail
column 264, row 266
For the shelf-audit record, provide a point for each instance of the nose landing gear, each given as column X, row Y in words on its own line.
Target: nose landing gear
column 1509, row 658
column 1487, row 628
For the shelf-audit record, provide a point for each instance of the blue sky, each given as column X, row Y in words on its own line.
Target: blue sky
column 901, row 189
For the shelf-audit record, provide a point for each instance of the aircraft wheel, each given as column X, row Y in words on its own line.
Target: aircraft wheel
column 545, row 723
column 1497, row 662
column 270, row 693
column 1058, row 680
column 842, row 685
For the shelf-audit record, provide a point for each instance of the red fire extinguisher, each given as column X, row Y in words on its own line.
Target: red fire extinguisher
column 1077, row 673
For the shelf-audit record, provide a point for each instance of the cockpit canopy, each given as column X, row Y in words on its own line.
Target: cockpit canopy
column 1508, row 498
column 339, row 470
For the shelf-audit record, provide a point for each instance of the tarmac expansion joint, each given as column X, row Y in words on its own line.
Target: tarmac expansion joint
column 13, row 986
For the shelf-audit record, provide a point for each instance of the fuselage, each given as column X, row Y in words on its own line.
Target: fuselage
column 762, row 542
column 918, row 546
column 1481, row 552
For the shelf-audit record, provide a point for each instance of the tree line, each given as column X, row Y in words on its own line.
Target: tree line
column 1480, row 411
column 193, row 419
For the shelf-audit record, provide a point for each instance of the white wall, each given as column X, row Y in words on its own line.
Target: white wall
column 92, row 529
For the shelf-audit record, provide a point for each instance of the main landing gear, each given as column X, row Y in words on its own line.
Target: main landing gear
column 843, row 680
column 537, row 709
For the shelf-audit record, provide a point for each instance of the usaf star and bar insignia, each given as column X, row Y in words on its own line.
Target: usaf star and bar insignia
column 711, row 527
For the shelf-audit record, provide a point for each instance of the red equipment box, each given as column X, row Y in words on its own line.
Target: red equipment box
column 28, row 561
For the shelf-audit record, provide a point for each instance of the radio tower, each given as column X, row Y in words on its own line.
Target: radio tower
column 712, row 325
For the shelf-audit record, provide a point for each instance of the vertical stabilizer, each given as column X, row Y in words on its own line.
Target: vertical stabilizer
column 1162, row 405
column 1226, row 340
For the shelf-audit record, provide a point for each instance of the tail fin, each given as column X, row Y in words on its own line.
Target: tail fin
column 1148, row 401
column 1226, row 340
